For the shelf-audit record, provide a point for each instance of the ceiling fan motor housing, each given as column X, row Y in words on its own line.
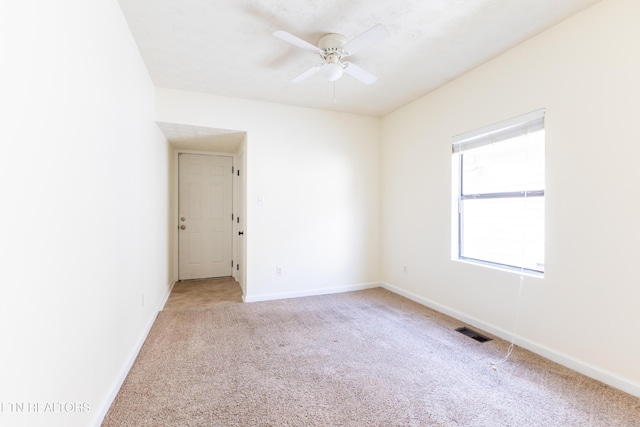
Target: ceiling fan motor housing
column 331, row 45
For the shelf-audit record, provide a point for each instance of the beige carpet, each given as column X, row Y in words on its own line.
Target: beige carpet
column 368, row 358
column 203, row 293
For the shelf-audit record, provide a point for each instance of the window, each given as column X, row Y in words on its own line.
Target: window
column 499, row 183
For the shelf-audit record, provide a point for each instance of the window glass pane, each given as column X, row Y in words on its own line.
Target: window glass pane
column 513, row 165
column 507, row 231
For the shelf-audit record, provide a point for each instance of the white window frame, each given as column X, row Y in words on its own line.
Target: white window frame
column 498, row 132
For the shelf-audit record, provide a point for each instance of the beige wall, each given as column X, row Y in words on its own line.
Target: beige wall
column 84, row 185
column 585, row 72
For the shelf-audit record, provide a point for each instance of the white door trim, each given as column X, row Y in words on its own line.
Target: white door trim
column 240, row 209
column 174, row 206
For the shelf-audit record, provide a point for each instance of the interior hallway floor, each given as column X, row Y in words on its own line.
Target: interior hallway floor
column 203, row 293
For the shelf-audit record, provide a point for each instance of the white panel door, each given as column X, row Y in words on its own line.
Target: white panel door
column 204, row 220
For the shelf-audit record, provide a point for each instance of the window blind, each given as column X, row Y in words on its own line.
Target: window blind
column 507, row 129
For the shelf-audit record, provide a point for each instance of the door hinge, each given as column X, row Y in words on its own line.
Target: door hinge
column 238, row 267
column 238, row 220
column 231, row 263
column 232, row 170
column 231, row 217
column 238, row 172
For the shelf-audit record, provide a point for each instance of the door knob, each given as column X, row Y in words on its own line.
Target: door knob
column 183, row 219
column 240, row 233
column 182, row 227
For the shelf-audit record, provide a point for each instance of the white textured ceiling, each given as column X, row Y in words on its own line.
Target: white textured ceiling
column 226, row 47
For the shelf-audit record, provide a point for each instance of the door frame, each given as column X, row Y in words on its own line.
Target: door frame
column 240, row 179
column 174, row 204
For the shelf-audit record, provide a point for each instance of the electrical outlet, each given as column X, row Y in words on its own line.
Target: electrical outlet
column 278, row 271
column 404, row 269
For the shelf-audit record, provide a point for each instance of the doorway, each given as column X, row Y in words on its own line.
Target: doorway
column 205, row 216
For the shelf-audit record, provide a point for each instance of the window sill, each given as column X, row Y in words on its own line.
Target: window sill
column 526, row 273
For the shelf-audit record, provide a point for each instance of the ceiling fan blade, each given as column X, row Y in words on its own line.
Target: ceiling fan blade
column 373, row 35
column 310, row 72
column 290, row 38
column 359, row 73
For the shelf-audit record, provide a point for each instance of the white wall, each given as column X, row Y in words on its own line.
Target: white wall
column 83, row 179
column 316, row 173
column 584, row 313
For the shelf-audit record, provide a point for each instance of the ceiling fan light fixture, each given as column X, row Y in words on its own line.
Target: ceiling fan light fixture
column 332, row 72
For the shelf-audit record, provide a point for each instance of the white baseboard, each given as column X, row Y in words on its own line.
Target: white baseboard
column 129, row 363
column 309, row 293
column 563, row 359
column 164, row 299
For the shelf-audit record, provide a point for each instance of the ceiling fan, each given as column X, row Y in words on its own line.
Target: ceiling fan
column 332, row 48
